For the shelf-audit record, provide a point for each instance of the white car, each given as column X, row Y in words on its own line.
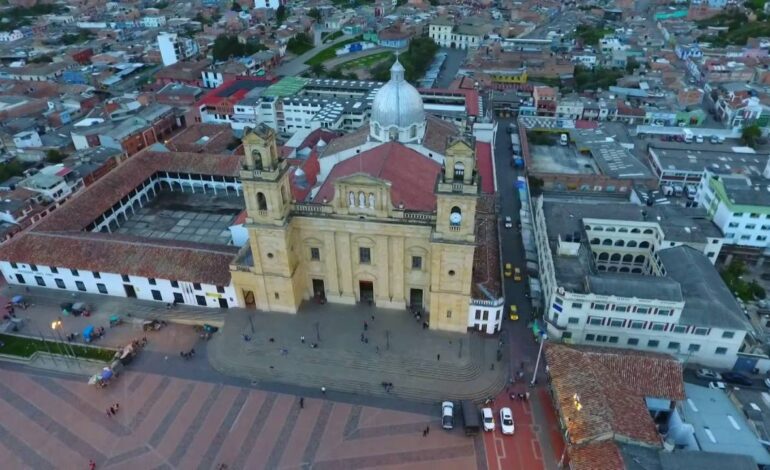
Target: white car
column 708, row 374
column 717, row 385
column 506, row 421
column 447, row 415
column 767, row 383
column 488, row 418
column 508, row 222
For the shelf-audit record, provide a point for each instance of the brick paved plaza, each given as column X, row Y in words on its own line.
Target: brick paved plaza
column 169, row 423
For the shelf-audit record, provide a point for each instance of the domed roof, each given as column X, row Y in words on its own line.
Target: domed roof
column 397, row 103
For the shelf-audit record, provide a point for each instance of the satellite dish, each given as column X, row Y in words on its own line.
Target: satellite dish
column 455, row 218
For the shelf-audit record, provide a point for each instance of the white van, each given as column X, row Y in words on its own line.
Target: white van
column 692, row 191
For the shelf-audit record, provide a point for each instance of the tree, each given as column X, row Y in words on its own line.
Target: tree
column 55, row 156
column 226, row 46
column 751, row 134
column 318, row 70
column 281, row 14
column 315, row 13
column 631, row 65
column 236, row 7
column 299, row 44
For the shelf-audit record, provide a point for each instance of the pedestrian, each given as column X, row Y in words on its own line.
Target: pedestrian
column 424, row 433
column 362, row 337
column 427, row 430
column 366, row 340
column 91, row 465
column 526, row 396
column 438, row 357
column 112, row 410
column 323, row 390
column 192, row 351
column 301, row 402
column 117, row 407
column 302, row 339
column 109, row 413
column 377, row 349
column 366, row 326
column 372, row 317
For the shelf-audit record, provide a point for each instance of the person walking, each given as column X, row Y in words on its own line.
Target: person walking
column 366, row 326
column 112, row 410
column 109, row 412
column 301, row 402
column 427, row 430
column 323, row 391
column 302, row 339
column 362, row 337
column 438, row 357
column 91, row 464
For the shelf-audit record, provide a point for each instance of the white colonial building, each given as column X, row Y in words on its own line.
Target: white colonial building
column 619, row 274
column 463, row 36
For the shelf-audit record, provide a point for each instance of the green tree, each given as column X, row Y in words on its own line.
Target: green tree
column 281, row 14
column 318, row 70
column 41, row 59
column 631, row 65
column 236, row 7
column 226, row 46
column 55, row 156
column 315, row 13
column 299, row 44
column 10, row 169
column 750, row 135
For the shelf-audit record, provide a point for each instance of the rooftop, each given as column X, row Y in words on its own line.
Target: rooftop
column 728, row 160
column 287, row 86
column 746, row 191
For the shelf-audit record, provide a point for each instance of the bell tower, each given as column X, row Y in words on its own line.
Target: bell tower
column 456, row 192
column 265, row 177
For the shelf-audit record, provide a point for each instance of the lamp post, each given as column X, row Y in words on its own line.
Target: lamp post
column 56, row 326
column 543, row 337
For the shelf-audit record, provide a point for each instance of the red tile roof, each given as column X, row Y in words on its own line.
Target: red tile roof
column 412, row 175
column 612, row 385
column 604, row 455
column 59, row 240
column 484, row 165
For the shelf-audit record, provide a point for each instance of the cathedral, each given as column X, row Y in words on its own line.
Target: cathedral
column 390, row 221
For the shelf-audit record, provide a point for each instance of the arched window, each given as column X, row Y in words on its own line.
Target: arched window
column 631, row 244
column 628, row 258
column 615, row 257
column 648, row 231
column 619, row 243
column 604, row 256
column 644, row 245
column 595, row 241
column 639, row 259
column 624, row 269
column 637, row 270
column 609, row 229
column 612, row 269
column 588, row 227
column 459, row 171
column 261, row 201
column 607, row 242
column 455, row 220
column 602, row 268
column 635, row 230
column 598, row 229
column 257, row 159
column 623, row 230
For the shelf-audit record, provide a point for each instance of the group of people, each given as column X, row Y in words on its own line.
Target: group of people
column 113, row 410
column 520, row 396
column 188, row 354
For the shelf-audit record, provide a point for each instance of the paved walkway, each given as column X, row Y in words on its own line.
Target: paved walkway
column 423, row 365
column 168, row 423
column 297, row 65
column 331, row 63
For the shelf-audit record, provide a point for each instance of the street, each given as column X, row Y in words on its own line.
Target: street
column 448, row 73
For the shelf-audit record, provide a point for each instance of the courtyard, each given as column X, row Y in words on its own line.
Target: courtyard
column 185, row 216
column 560, row 159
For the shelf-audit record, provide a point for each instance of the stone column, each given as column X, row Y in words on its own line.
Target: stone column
column 345, row 259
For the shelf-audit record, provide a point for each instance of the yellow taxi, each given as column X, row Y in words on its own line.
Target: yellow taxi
column 517, row 274
column 508, row 269
column 513, row 313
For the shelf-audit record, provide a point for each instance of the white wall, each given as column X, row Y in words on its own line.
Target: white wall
column 114, row 285
column 487, row 318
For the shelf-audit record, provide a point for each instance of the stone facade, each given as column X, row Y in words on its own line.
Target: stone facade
column 360, row 246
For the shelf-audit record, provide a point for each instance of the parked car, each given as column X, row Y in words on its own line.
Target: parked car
column 516, row 274
column 708, row 374
column 514, row 312
column 506, row 421
column 737, row 378
column 717, row 385
column 508, row 271
column 508, row 222
column 488, row 419
column 447, row 415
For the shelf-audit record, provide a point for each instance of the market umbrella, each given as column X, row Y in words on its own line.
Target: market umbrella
column 17, row 299
column 94, row 379
column 106, row 374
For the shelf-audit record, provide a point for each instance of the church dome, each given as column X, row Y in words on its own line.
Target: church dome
column 397, row 111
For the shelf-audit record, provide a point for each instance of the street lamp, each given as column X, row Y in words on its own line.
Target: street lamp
column 543, row 337
column 56, row 325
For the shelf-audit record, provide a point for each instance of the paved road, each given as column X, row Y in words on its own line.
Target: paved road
column 164, row 422
column 454, row 59
column 296, row 66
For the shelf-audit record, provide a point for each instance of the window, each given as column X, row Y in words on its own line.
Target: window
column 590, row 337
column 449, row 314
column 754, row 216
column 156, row 295
column 74, row 272
column 201, row 300
column 221, row 289
column 102, row 288
column 658, row 326
column 54, row 271
column 633, row 341
column 721, row 351
column 174, row 283
column 738, row 214
column 673, row 345
column 680, row 329
column 745, row 237
column 60, row 284
column 97, row 275
column 621, row 308
column 750, row 226
column 728, row 334
column 694, row 348
column 577, row 305
column 653, row 343
column 664, row 311
column 599, row 306
column 573, row 320
column 417, row 262
column 40, row 281
column 766, row 227
column 642, row 310
column 613, row 339
column 616, row 323
column 733, row 224
column 478, row 314
column 595, row 321
column 80, row 286
column 33, row 267
column 364, row 255
column 196, row 286
column 14, row 265
column 701, row 331
column 601, row 338
column 20, row 279
column 761, row 238
column 637, row 325
column 315, row 254
column 125, row 278
column 566, row 335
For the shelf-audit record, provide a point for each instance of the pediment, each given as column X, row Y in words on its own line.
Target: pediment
column 361, row 179
column 458, row 146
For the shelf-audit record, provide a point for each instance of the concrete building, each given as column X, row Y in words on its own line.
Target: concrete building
column 174, row 48
column 388, row 225
column 271, row 4
column 467, row 35
column 640, row 277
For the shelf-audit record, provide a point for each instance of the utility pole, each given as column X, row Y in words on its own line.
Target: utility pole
column 543, row 337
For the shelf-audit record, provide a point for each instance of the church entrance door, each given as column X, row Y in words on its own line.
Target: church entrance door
column 366, row 289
